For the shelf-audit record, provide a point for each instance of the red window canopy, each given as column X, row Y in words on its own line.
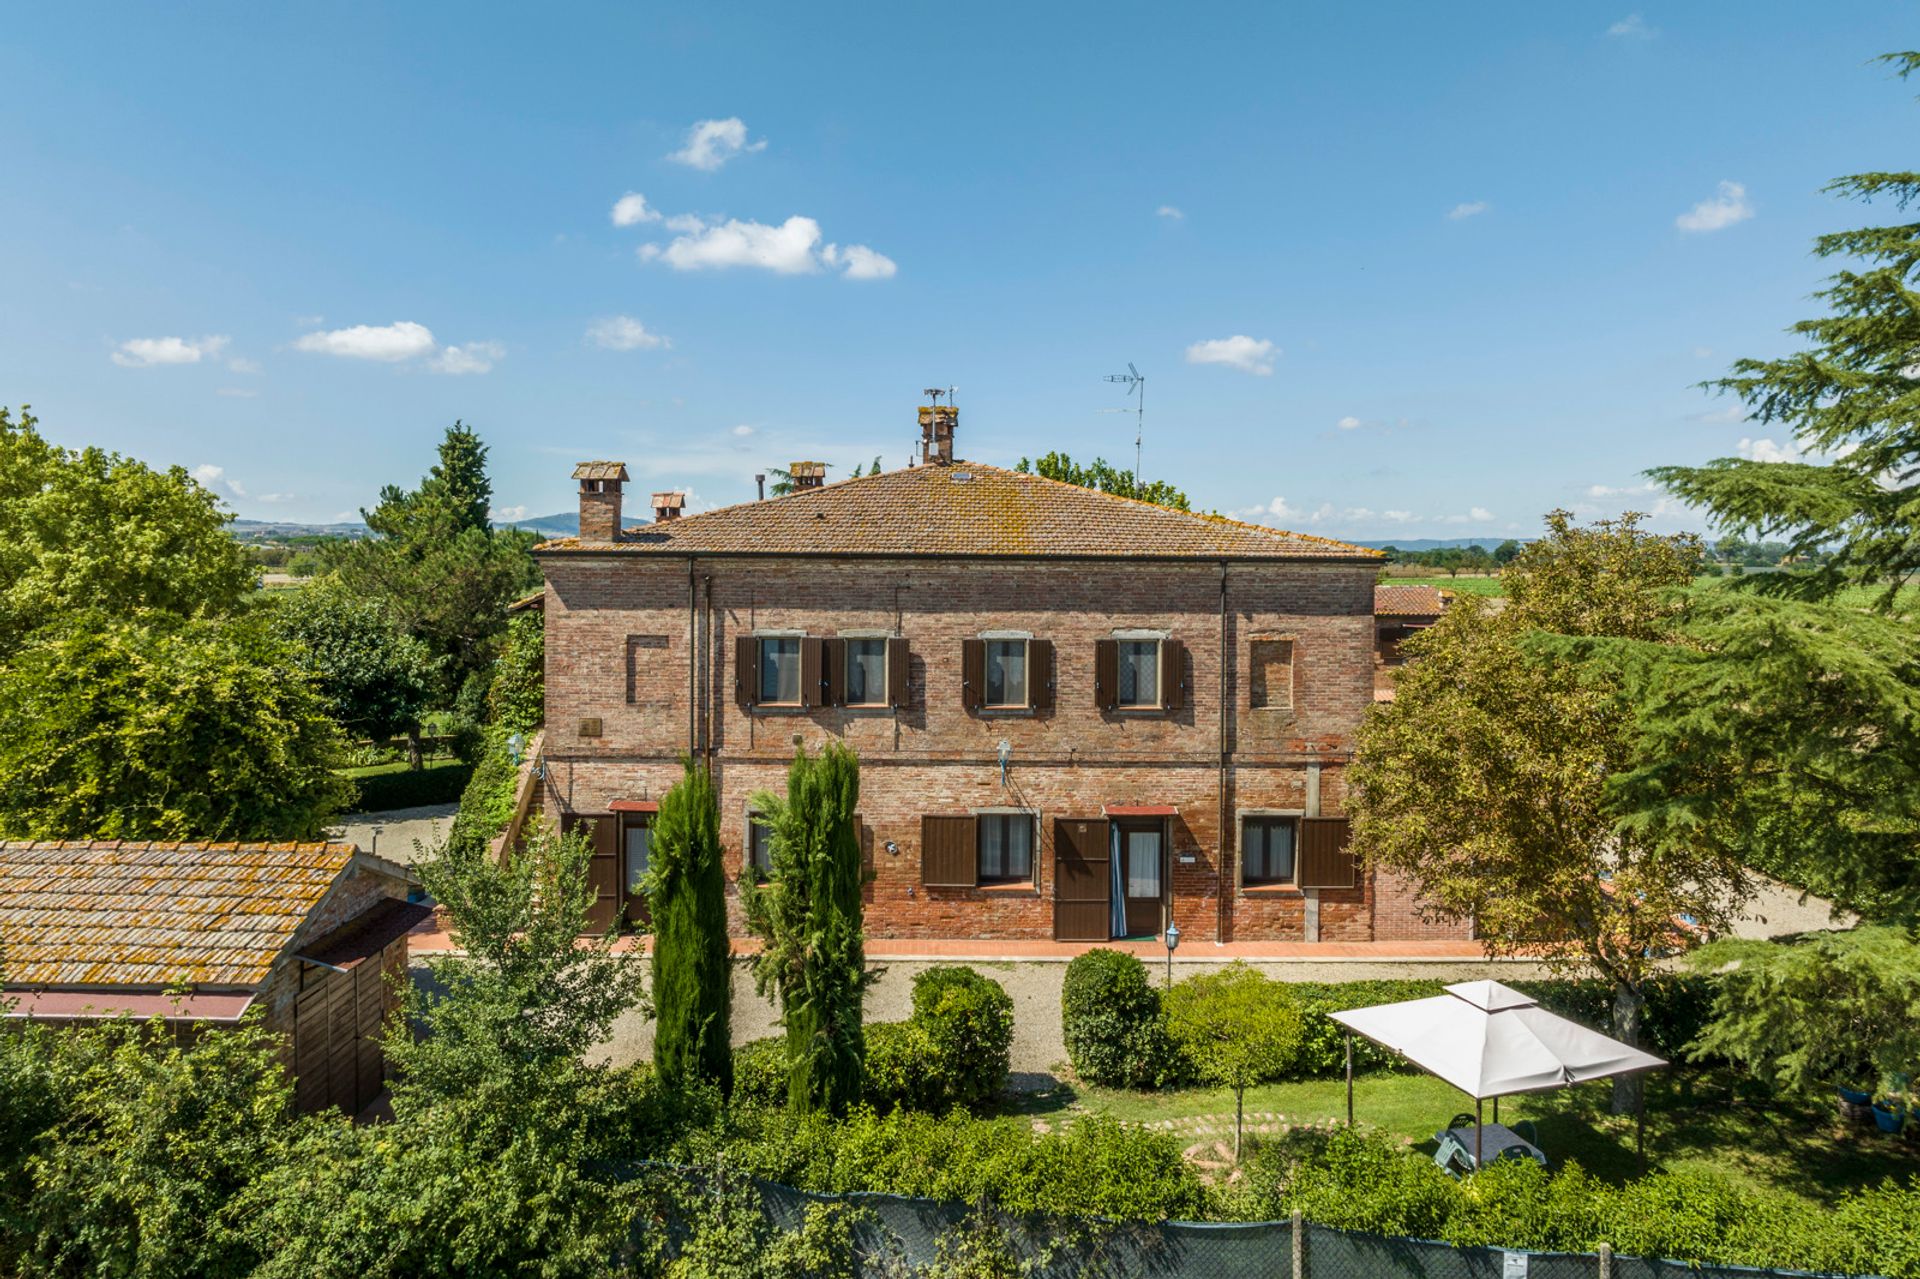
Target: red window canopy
column 634, row 806
column 1140, row 810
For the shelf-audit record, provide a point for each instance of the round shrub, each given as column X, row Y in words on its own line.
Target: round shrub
column 1111, row 1021
column 967, row 1021
column 760, row 1071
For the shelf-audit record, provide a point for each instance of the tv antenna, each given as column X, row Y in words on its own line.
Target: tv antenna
column 1136, row 384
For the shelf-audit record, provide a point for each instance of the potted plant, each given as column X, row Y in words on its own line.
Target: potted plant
column 1890, row 1113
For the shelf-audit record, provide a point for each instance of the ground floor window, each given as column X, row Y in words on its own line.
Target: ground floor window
column 1006, row 847
column 1267, row 849
column 759, row 846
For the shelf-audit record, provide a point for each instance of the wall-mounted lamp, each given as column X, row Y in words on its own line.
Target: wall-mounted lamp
column 893, row 849
column 1006, row 757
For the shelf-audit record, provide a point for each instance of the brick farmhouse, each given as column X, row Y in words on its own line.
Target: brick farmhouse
column 1078, row 716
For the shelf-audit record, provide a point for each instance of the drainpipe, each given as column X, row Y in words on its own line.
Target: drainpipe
column 707, row 653
column 1224, row 881
column 693, row 663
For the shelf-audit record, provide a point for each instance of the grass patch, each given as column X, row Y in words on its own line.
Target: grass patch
column 1462, row 585
column 1694, row 1120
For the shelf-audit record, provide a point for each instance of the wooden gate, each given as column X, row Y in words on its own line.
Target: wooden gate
column 337, row 1020
column 1082, row 883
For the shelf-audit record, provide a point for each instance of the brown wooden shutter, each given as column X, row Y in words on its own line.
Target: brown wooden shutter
column 949, row 852
column 897, row 673
column 973, row 673
column 603, row 871
column 1082, row 887
column 1106, row 674
column 833, row 672
column 811, row 653
column 1173, row 674
column 1325, row 860
column 1040, row 679
column 746, row 669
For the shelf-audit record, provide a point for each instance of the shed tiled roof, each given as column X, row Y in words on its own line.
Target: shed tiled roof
column 122, row 913
column 1410, row 601
column 965, row 509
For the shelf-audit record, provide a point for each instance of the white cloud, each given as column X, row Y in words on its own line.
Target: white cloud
column 1702, row 352
column 792, row 248
column 1480, row 513
column 1170, row 212
column 1349, row 423
column 215, row 478
column 685, row 223
column 711, row 143
column 1632, row 27
column 147, row 353
column 248, row 367
column 1281, row 513
column 1249, row 355
column 388, row 343
column 400, row 342
column 1603, row 490
column 624, row 333
column 507, row 514
column 1468, row 209
column 277, row 498
column 743, row 430
column 631, row 210
column 859, row 262
column 1722, row 416
column 1768, row 451
column 237, row 392
column 1725, row 209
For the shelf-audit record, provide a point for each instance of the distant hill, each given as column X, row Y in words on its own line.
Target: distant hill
column 1436, row 543
column 562, row 525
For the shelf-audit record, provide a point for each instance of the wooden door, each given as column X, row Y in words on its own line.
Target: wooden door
column 1082, row 879
column 603, row 872
column 1143, row 875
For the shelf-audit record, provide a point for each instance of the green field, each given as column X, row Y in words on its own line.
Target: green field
column 1465, row 584
column 1694, row 1120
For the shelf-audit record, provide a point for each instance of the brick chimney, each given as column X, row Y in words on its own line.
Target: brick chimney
column 600, row 499
column 666, row 506
column 936, row 432
column 807, row 475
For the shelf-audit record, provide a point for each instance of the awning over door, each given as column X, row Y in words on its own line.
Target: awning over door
column 634, row 806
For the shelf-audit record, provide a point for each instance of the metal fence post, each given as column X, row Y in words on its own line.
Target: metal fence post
column 1299, row 1239
column 1606, row 1261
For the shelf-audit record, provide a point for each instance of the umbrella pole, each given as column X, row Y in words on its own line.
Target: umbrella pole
column 1477, row 1125
column 1640, row 1130
column 1496, row 1110
column 1349, row 1079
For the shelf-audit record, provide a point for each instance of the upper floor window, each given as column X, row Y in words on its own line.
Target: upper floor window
column 1007, row 673
column 1139, row 662
column 866, row 672
column 1267, row 849
column 779, row 682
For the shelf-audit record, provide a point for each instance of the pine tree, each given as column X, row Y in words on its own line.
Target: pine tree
column 810, row 921
column 692, row 975
column 458, row 482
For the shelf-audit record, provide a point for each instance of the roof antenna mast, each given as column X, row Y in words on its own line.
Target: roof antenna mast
column 1136, row 383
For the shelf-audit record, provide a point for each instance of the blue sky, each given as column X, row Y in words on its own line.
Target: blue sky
column 1391, row 270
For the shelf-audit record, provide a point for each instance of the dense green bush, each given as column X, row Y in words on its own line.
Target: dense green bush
column 411, row 788
column 1360, row 1181
column 1094, row 1166
column 1110, row 1018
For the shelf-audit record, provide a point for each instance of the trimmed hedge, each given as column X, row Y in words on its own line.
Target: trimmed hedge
column 1361, row 1181
column 411, row 788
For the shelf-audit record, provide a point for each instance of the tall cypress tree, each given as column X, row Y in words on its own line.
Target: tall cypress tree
column 692, row 996
column 810, row 921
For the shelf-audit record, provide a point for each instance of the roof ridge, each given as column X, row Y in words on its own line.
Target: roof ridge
column 769, row 501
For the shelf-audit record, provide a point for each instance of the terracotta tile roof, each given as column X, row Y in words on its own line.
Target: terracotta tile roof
column 965, row 509
column 1410, row 601
column 113, row 913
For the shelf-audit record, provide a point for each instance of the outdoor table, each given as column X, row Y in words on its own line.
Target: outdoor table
column 1497, row 1141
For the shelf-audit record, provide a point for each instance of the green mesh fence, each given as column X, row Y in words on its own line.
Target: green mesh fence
column 896, row 1237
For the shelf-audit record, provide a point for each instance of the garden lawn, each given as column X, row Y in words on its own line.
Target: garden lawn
column 1795, row 1146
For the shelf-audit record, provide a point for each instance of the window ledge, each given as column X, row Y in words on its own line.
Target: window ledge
column 780, row 708
column 1006, row 712
column 1019, row 888
column 1272, row 890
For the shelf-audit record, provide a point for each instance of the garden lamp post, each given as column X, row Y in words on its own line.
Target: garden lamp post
column 1173, row 940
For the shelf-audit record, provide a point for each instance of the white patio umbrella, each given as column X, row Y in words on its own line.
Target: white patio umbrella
column 1490, row 1040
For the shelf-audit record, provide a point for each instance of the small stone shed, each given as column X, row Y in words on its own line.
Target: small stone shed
column 315, row 935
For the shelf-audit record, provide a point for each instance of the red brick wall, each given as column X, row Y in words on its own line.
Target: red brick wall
column 620, row 638
column 1398, row 914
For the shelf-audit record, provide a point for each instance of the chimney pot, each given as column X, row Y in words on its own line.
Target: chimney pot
column 600, row 488
column 666, row 506
column 937, row 423
column 807, row 475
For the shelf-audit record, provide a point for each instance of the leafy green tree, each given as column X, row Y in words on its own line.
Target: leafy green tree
column 1106, row 478
column 442, row 572
column 1504, row 553
column 90, row 529
column 809, row 920
column 1848, row 401
column 516, row 700
column 377, row 680
column 692, row 971
column 110, row 729
column 1237, row 1029
column 1836, row 1007
column 1487, row 778
column 782, row 481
